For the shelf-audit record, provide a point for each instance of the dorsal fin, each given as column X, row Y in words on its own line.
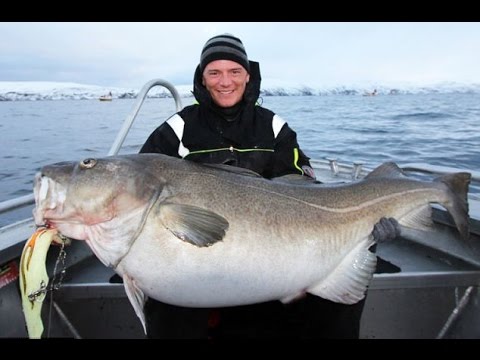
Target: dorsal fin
column 386, row 170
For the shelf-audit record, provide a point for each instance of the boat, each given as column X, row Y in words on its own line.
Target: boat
column 373, row 93
column 107, row 97
column 427, row 287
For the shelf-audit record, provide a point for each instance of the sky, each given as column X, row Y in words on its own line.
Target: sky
column 313, row 54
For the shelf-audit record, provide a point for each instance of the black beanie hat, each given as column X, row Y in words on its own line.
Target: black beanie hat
column 224, row 47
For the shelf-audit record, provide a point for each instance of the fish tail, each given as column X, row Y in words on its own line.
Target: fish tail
column 457, row 185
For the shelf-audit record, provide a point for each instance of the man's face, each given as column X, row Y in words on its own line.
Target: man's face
column 225, row 80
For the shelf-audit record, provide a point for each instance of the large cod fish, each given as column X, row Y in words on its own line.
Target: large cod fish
column 204, row 236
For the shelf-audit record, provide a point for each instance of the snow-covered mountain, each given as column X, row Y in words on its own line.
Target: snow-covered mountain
column 45, row 90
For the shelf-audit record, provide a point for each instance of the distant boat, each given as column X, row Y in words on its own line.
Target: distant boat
column 106, row 97
column 373, row 93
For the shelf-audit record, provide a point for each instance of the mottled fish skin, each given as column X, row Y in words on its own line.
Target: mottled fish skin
column 204, row 236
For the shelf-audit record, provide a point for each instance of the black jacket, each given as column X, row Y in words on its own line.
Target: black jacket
column 246, row 135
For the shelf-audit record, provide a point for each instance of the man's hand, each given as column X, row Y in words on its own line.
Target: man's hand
column 386, row 229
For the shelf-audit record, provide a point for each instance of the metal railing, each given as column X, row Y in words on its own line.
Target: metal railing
column 122, row 134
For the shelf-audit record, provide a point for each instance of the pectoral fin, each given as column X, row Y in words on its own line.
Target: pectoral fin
column 193, row 224
column 136, row 297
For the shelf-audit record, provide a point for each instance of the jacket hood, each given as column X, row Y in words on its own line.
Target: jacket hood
column 252, row 90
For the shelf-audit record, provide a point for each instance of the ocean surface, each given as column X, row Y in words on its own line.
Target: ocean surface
column 439, row 129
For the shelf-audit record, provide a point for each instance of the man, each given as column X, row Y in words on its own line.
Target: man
column 227, row 127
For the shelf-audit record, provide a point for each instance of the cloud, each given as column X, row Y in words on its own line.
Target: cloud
column 129, row 54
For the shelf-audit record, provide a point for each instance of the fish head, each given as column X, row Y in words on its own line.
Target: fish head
column 72, row 196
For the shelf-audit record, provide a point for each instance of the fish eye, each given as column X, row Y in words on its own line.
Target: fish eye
column 88, row 163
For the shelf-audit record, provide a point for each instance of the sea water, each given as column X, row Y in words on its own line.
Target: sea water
column 439, row 129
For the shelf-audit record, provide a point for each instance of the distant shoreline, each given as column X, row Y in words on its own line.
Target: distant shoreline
column 41, row 91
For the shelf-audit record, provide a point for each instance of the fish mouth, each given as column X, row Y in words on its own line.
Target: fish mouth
column 49, row 199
